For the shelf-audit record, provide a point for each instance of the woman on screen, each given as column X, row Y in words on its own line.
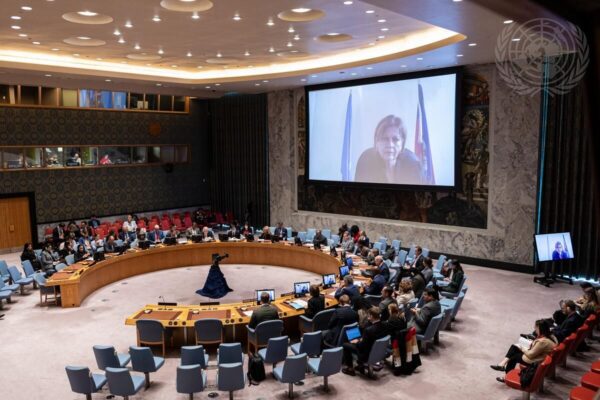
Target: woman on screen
column 388, row 161
column 559, row 253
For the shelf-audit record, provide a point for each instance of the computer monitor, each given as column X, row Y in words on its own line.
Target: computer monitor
column 344, row 270
column 223, row 237
column 196, row 238
column 554, row 246
column 170, row 241
column 301, row 288
column 144, row 244
column 99, row 256
column 328, row 280
column 260, row 292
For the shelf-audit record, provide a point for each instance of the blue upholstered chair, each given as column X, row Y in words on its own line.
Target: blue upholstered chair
column 437, row 269
column 447, row 319
column 191, row 355
column 4, row 271
column 70, row 259
column 13, row 287
column 230, row 353
column 411, row 253
column 429, row 335
column 425, row 252
column 28, row 269
column 310, row 344
column 378, row 353
column 19, row 279
column 45, row 291
column 82, row 381
column 329, row 364
column 142, row 360
column 326, row 233
column 107, row 356
column 276, row 350
column 374, row 299
column 342, row 338
column 38, row 254
column 59, row 267
column 5, row 295
column 230, row 377
column 259, row 337
column 310, row 234
column 122, row 383
column 453, row 295
column 400, row 259
column 151, row 332
column 396, row 244
column 459, row 301
column 302, row 236
column 190, row 379
column 208, row 331
column 293, row 370
column 320, row 322
column 378, row 246
column 336, row 240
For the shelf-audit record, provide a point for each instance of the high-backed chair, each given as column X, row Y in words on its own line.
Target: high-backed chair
column 342, row 338
column 400, row 259
column 326, row 233
column 230, row 377
column 82, row 381
column 230, row 353
column 259, row 337
column 293, row 370
column 437, row 269
column 453, row 295
column 70, row 259
column 425, row 252
column 13, row 287
column 151, row 332
column 302, row 236
column 190, row 379
column 4, row 271
column 335, row 239
column 5, row 295
column 122, row 383
column 208, row 331
column 591, row 380
column 582, row 393
column 396, row 245
column 59, row 267
column 45, row 291
column 310, row 344
column 142, row 360
column 276, row 350
column 447, row 319
column 378, row 353
column 430, row 333
column 191, row 355
column 19, row 279
column 378, row 246
column 411, row 253
column 320, row 321
column 310, row 234
column 329, row 364
column 107, row 356
column 513, row 378
column 29, row 271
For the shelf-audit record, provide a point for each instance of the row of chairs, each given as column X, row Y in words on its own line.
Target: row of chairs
column 590, row 384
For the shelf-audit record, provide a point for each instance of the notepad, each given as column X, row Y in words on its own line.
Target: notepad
column 298, row 304
column 248, row 313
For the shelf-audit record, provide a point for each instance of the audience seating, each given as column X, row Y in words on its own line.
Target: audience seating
column 70, row 259
column 13, row 287
column 190, row 379
column 276, row 350
column 320, row 322
column 29, row 271
column 342, row 338
column 5, row 295
column 151, row 332
column 45, row 290
column 293, row 370
column 379, row 352
column 454, row 295
column 411, row 253
column 142, row 360
column 557, row 355
column 329, row 364
column 17, row 278
column 122, row 383
column 82, row 381
column 513, row 378
column 396, row 245
column 581, row 334
column 208, row 331
column 191, row 355
column 591, row 380
column 259, row 337
column 230, row 353
column 568, row 342
column 430, row 333
column 596, row 367
column 4, row 271
column 310, row 344
column 107, row 356
column 400, row 259
column 581, row 393
column 447, row 319
column 230, row 377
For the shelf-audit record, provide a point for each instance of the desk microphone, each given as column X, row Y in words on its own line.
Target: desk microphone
column 163, row 300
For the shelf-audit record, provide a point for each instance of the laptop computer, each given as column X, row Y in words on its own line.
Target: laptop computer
column 223, row 237
column 353, row 333
column 144, row 244
column 170, row 241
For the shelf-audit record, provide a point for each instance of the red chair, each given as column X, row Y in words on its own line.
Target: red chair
column 48, row 231
column 513, row 378
column 165, row 225
column 591, row 380
column 581, row 393
column 582, row 333
column 187, row 214
column 557, row 354
column 229, row 217
column 187, row 221
column 596, row 367
column 177, row 223
column 568, row 342
column 141, row 224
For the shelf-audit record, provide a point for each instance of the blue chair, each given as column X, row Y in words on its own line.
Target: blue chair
column 4, row 271
column 396, row 244
column 5, row 295
column 320, row 322
column 82, row 381
column 122, row 383
column 107, row 356
column 374, row 299
column 230, row 353
column 17, row 278
column 259, row 337
column 378, row 353
column 437, row 269
column 38, row 254
column 302, row 236
column 310, row 344
column 230, row 377
column 151, row 332
column 459, row 301
column 293, row 370
column 13, row 287
column 191, row 355
column 425, row 252
column 342, row 338
column 208, row 331
column 272, row 230
column 336, row 240
column 326, row 233
column 276, row 350
column 190, row 379
column 329, row 364
column 29, row 271
column 70, row 259
column 310, row 234
column 378, row 246
column 454, row 295
column 59, row 267
column 411, row 253
column 142, row 360
column 118, row 243
column 430, row 333
column 400, row 259
column 289, row 232
column 45, row 290
column 447, row 319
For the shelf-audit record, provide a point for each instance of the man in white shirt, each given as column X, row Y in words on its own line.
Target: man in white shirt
column 130, row 227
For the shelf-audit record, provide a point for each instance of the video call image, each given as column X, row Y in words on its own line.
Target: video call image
column 398, row 132
column 554, row 246
column 301, row 288
column 270, row 292
column 329, row 279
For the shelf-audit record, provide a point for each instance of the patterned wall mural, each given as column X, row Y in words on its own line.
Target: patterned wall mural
column 74, row 193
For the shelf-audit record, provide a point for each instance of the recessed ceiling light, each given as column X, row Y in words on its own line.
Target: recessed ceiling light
column 219, row 55
column 48, row 75
column 189, row 54
column 137, row 46
column 156, row 18
column 26, row 8
column 403, row 66
column 148, row 65
column 15, row 17
column 333, row 34
column 385, row 29
column 257, row 84
column 174, row 66
column 301, row 10
column 516, row 39
column 36, row 43
column 348, row 2
column 123, row 62
column 472, row 44
column 121, row 40
column 266, row 81
column 369, row 68
column 237, row 17
column 370, row 12
column 372, row 44
column 159, row 84
column 207, row 87
column 353, row 74
column 270, row 22
column 76, row 54
column 457, row 1
column 128, row 24
column 99, row 59
column 16, row 27
column 381, row 21
column 107, row 80
column 86, row 13
column 303, row 80
column 247, row 53
column 296, row 37
column 508, row 21
column 419, row 58
column 381, row 37
column 117, row 32
column 195, row 15
column 83, row 37
column 55, row 49
column 199, row 67
column 459, row 55
column 271, row 50
column 291, row 29
column 217, row 84
column 161, row 51
column 314, row 76
column 22, row 35
column 289, row 44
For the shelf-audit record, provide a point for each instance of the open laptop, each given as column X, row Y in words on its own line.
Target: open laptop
column 223, row 237
column 353, row 333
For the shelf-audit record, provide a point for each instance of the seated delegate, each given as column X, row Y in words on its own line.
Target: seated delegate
column 29, row 254
column 422, row 316
column 156, row 235
column 452, row 284
column 362, row 347
column 316, row 302
column 319, row 240
column 265, row 312
column 347, row 287
column 343, row 315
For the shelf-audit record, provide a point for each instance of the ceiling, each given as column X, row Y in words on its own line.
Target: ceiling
column 247, row 46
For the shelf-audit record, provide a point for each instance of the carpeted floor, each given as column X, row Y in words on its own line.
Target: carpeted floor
column 37, row 342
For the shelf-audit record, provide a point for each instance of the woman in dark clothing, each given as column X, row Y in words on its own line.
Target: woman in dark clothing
column 81, row 253
column 29, row 254
column 316, row 302
column 215, row 286
column 404, row 344
column 454, row 282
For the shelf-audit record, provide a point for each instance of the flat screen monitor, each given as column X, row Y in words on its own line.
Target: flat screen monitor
column 196, row 238
column 393, row 131
column 261, row 291
column 554, row 246
column 169, row 241
column 144, row 244
column 344, row 270
column 353, row 333
column 301, row 288
column 328, row 279
column 223, row 237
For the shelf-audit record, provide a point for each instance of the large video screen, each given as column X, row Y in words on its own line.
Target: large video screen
column 398, row 132
column 554, row 246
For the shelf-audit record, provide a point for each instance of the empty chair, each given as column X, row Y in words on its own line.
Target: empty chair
column 378, row 246
column 310, row 234
column 293, row 370
column 70, row 259
column 310, row 344
column 190, row 379
column 326, row 233
column 396, row 244
column 13, row 287
column 335, row 239
column 430, row 332
column 411, row 253
column 289, row 232
column 107, row 356
column 437, row 269
column 373, row 299
column 302, row 236
column 151, row 332
column 142, row 360
column 84, row 382
column 59, row 267
column 378, row 353
column 45, row 291
column 447, row 319
column 459, row 301
column 122, row 383
column 230, row 353
column 276, row 350
column 5, row 295
column 581, row 393
column 4, row 271
column 259, row 337
column 208, row 331
column 191, row 355
column 319, row 322
column 28, row 269
column 329, row 364
column 425, row 252
column 400, row 258
column 19, row 279
column 230, row 377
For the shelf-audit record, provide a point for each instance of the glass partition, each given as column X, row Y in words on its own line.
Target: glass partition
column 12, row 158
column 33, row 157
column 53, row 157
column 139, row 155
column 115, row 155
column 154, row 154
column 8, row 94
column 73, row 157
column 89, row 156
column 181, row 154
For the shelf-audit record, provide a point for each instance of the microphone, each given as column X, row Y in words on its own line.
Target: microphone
column 163, row 300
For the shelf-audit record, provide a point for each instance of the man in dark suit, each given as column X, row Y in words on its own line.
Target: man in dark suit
column 386, row 300
column 280, row 231
column 362, row 347
column 319, row 240
column 343, row 315
column 348, row 288
column 234, row 232
column 570, row 324
column 266, row 312
column 381, row 267
column 58, row 234
column 377, row 284
column 422, row 316
column 156, row 235
column 207, row 235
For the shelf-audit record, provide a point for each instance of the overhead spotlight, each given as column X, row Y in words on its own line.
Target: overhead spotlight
column 291, row 29
column 76, row 54
column 381, row 21
column 459, row 55
column 289, row 44
column 472, row 44
column 219, row 55
column 237, row 17
column 370, row 12
column 314, row 76
column 265, row 81
column 419, row 58
column 121, row 40
column 195, row 15
column 301, row 10
column 333, row 34
column 247, row 53
column 16, row 27
column 117, row 32
column 55, row 49
column 27, row 8
column 516, row 40
column 508, row 21
column 217, row 84
column 174, row 66
column 257, row 84
column 156, row 18
column 22, row 35
column 159, row 84
column 128, row 24
column 48, row 75
column 403, row 66
column 199, row 67
column 296, row 37
column 86, row 13
column 107, row 80
column 161, row 51
column 270, row 22
column 189, row 54
column 137, row 46
column 369, row 68
column 83, row 37
column 36, row 43
column 271, row 50
column 348, row 2
column 303, row 80
column 207, row 87
column 15, row 17
column 381, row 37
column 385, row 29
column 372, row 44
